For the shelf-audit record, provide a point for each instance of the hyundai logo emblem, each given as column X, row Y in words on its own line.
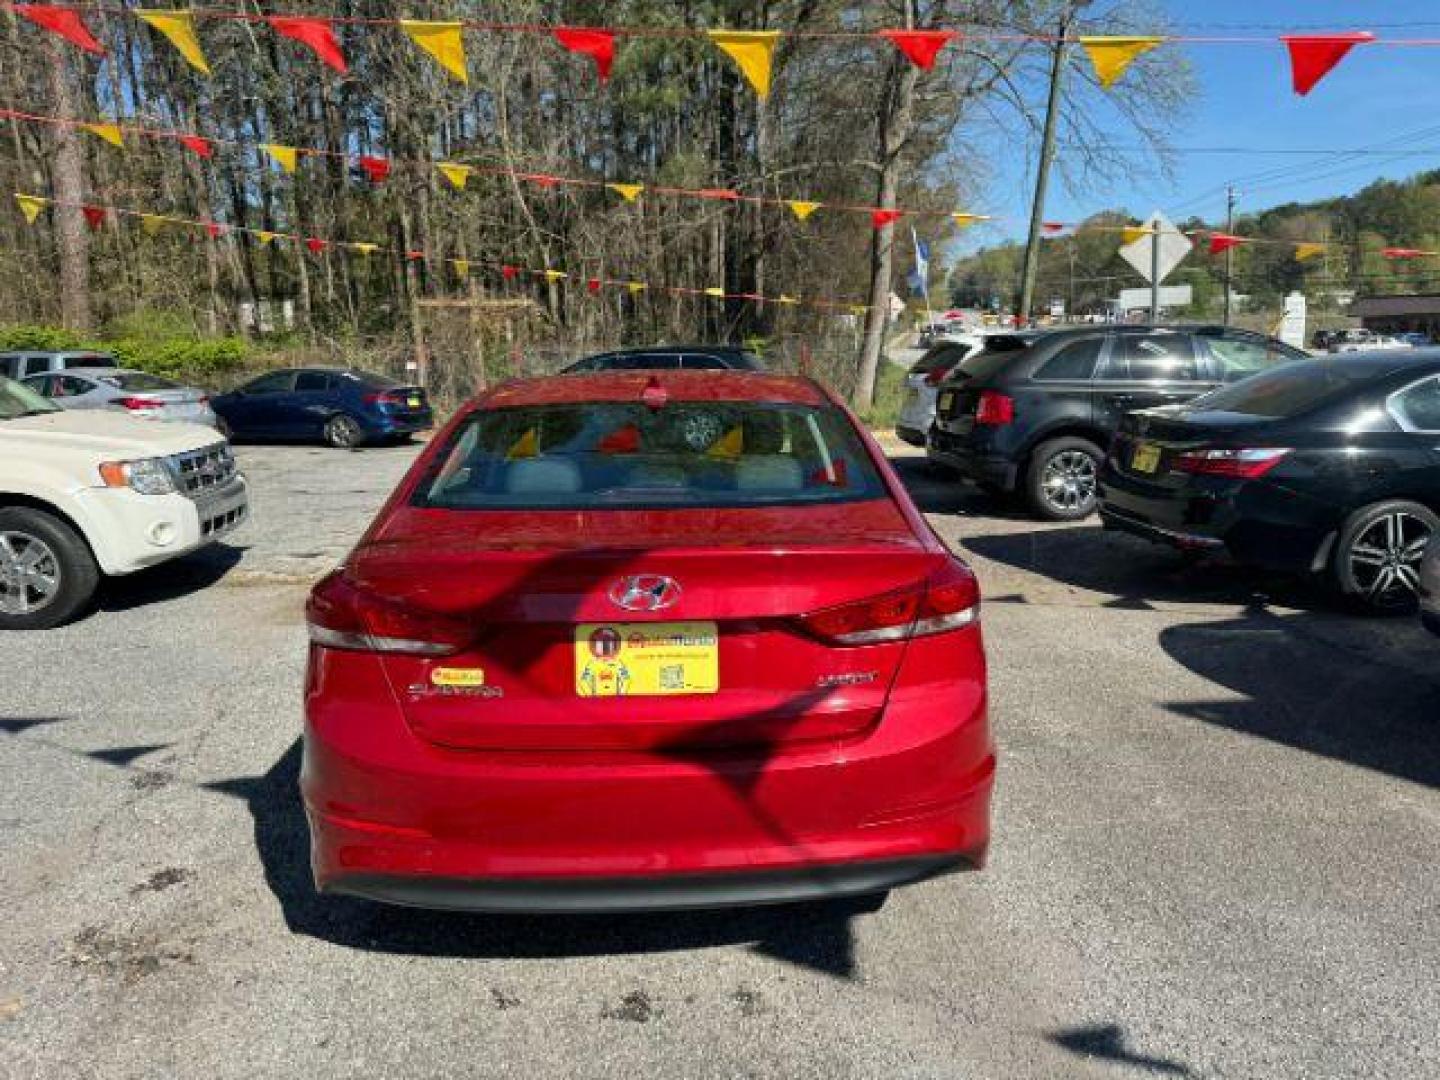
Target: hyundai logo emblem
column 645, row 592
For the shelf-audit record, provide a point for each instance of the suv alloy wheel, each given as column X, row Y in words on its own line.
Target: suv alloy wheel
column 1060, row 482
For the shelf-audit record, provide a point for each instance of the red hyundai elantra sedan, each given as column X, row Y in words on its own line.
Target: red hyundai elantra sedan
column 646, row 640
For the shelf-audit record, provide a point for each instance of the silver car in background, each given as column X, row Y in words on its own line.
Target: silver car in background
column 137, row 393
column 917, row 411
column 1430, row 587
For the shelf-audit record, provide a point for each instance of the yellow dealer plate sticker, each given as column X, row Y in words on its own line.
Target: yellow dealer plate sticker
column 1146, row 458
column 646, row 659
column 456, row 676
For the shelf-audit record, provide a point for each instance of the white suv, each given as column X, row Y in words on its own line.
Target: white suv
column 90, row 493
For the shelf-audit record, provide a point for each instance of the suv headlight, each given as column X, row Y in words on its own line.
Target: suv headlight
column 149, row 476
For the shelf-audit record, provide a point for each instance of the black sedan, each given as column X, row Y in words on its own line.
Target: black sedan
column 1328, row 467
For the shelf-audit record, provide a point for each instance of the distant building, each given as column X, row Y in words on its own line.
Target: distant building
column 1399, row 314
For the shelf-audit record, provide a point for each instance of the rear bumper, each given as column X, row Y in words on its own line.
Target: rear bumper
column 678, row 892
column 398, row 819
column 384, row 424
column 1113, row 518
column 961, row 454
column 1431, row 621
column 913, row 436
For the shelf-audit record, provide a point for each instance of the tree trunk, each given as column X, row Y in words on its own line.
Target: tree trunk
column 896, row 118
column 70, row 229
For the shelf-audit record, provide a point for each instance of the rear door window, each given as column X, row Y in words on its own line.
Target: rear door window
column 1153, row 358
column 1075, row 361
column 87, row 360
column 69, row 386
column 1240, row 357
column 313, row 382
column 624, row 455
column 1417, row 408
column 34, row 365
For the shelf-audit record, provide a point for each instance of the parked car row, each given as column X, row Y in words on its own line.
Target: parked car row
column 1212, row 440
column 344, row 407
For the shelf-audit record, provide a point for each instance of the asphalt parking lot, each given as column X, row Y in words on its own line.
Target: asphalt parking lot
column 1217, row 835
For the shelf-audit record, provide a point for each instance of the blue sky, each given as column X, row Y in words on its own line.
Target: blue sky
column 1379, row 97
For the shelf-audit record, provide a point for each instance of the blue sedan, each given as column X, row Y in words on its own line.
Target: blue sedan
column 344, row 407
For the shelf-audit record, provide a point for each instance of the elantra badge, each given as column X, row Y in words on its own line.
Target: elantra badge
column 645, row 592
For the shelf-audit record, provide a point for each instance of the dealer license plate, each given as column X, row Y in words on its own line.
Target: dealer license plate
column 414, row 402
column 646, row 659
column 947, row 400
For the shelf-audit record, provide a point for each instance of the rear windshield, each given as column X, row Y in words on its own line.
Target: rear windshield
column 138, row 380
column 1288, row 390
column 942, row 356
column 624, row 455
column 998, row 353
column 374, row 381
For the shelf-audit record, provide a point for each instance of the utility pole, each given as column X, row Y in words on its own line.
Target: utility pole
column 1155, row 274
column 1229, row 252
column 1042, row 175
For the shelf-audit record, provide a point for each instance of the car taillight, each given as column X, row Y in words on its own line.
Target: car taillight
column 935, row 376
column 948, row 601
column 1244, row 463
column 139, row 404
column 340, row 615
column 994, row 409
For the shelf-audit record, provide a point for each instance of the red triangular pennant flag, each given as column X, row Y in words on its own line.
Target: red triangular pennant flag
column 377, row 169
column 921, row 46
column 1222, row 242
column 214, row 230
column 1402, row 253
column 415, row 256
column 541, row 179
column 316, row 34
column 1052, row 226
column 597, row 44
column 94, row 217
column 880, row 218
column 197, row 144
column 593, row 285
column 66, row 22
column 718, row 193
column 508, row 272
column 315, row 244
column 1313, row 56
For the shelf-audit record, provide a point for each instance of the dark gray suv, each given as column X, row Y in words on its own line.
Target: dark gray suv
column 1035, row 414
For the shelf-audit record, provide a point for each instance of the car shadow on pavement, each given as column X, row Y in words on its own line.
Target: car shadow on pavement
column 1364, row 691
column 817, row 936
column 1106, row 1042
column 935, row 491
column 1135, row 573
column 168, row 581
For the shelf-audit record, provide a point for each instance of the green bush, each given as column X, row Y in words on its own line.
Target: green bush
column 148, row 345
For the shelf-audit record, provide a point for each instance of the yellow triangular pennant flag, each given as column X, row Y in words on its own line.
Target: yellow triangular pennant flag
column 730, row 445
column 1308, row 251
column 752, row 51
column 109, row 132
column 151, row 223
column 554, row 275
column 362, row 248
column 30, row 206
column 443, row 41
column 636, row 287
column 285, row 156
column 1131, row 233
column 462, row 267
column 179, row 27
column 802, row 209
column 966, row 220
column 264, row 237
column 456, row 174
column 859, row 309
column 628, row 192
column 713, row 291
column 783, row 299
column 1112, row 56
column 527, row 446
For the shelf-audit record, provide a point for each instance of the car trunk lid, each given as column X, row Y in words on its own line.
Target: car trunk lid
column 557, row 663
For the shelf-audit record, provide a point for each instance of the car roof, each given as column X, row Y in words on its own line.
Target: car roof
column 679, row 385
column 635, row 350
column 1380, row 363
column 95, row 372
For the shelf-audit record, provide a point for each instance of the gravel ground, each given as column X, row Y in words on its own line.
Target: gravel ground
column 1215, row 850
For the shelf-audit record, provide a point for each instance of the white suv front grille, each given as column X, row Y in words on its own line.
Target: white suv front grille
column 200, row 471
